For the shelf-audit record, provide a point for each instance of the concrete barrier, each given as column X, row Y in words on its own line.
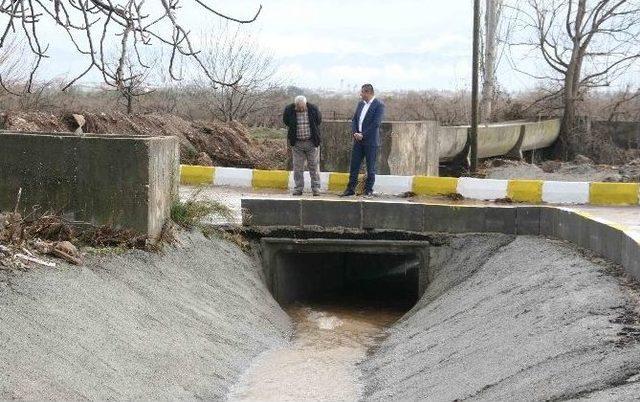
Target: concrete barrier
column 508, row 139
column 524, row 191
column 124, row 181
column 418, row 147
column 615, row 242
column 540, row 134
column 408, row 147
column 482, row 189
column 452, row 142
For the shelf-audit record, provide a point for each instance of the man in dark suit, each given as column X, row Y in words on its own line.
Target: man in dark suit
column 365, row 129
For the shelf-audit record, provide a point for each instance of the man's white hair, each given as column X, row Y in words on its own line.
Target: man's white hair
column 301, row 99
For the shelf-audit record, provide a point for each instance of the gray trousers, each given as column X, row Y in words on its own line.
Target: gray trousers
column 305, row 150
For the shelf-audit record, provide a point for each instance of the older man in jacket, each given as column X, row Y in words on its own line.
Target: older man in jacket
column 365, row 130
column 303, row 120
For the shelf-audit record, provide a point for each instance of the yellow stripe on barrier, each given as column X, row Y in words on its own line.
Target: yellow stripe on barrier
column 613, row 193
column 190, row 174
column 277, row 179
column 432, row 185
column 525, row 191
column 339, row 181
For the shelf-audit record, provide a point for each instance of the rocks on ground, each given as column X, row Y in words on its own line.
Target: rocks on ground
column 580, row 169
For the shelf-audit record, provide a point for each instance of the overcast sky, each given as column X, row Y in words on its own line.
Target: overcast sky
column 339, row 44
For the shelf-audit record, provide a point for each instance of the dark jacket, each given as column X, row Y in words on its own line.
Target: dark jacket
column 290, row 120
column 371, row 123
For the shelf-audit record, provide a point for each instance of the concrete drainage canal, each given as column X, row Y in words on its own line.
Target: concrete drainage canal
column 325, row 316
column 341, row 294
column 442, row 317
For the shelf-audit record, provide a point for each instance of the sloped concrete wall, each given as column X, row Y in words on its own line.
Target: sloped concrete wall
column 115, row 180
column 508, row 138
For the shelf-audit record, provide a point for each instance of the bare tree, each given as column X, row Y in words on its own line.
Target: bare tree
column 233, row 55
column 12, row 61
column 90, row 24
column 584, row 44
column 132, row 80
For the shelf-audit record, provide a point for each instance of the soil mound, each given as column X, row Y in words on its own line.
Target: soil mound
column 201, row 141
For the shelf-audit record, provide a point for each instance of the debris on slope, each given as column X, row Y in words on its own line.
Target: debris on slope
column 27, row 241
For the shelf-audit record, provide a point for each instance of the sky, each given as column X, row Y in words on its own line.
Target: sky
column 400, row 44
column 340, row 44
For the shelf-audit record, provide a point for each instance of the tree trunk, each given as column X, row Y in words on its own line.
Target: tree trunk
column 129, row 104
column 492, row 11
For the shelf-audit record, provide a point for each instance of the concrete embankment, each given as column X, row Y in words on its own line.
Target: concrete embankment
column 512, row 319
column 182, row 324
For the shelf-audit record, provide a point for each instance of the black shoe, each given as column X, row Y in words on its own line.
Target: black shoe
column 368, row 194
column 316, row 193
column 296, row 193
column 348, row 193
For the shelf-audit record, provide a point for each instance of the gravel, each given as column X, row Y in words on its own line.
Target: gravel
column 183, row 324
column 564, row 171
column 528, row 319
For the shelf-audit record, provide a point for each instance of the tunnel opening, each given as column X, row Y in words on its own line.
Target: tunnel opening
column 368, row 273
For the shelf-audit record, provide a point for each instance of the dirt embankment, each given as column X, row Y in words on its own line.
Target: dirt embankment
column 202, row 142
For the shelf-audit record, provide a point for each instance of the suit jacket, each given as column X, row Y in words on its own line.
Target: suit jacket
column 371, row 123
column 290, row 120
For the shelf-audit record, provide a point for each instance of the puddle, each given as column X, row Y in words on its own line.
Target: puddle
column 320, row 361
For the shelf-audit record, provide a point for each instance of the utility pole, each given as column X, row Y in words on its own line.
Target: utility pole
column 473, row 163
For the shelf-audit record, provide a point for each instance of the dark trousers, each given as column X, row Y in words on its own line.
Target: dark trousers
column 368, row 152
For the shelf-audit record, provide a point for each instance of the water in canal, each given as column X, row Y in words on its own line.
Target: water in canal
column 320, row 361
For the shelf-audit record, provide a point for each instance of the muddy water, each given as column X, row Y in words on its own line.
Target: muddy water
column 320, row 361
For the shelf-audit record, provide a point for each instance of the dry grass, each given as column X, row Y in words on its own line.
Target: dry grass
column 190, row 214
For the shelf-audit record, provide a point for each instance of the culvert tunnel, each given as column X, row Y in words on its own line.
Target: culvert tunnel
column 390, row 272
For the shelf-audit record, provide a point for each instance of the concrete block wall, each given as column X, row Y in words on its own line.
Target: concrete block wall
column 124, row 181
column 617, row 243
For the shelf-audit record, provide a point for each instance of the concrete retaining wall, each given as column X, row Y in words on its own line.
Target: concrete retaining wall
column 407, row 147
column 115, row 180
column 614, row 242
column 527, row 191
